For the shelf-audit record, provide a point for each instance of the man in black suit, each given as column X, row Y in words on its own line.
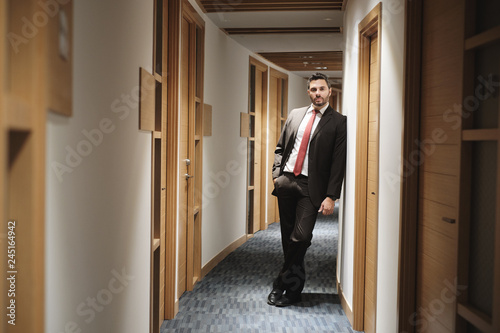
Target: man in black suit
column 308, row 170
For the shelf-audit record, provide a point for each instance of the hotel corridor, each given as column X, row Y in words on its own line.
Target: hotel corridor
column 232, row 297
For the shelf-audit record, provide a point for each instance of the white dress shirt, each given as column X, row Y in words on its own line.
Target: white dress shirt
column 290, row 164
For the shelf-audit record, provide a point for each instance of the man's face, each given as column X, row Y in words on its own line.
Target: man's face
column 319, row 93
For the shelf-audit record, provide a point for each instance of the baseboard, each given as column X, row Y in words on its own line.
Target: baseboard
column 224, row 253
column 345, row 306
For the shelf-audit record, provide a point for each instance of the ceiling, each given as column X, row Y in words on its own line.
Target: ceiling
column 300, row 36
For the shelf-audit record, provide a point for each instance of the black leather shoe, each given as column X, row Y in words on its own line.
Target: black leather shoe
column 274, row 296
column 287, row 300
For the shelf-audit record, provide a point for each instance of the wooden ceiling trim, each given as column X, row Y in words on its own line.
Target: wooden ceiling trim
column 213, row 6
column 304, row 55
column 254, row 31
column 344, row 4
column 305, row 61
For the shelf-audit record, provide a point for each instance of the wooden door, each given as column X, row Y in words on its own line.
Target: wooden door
column 438, row 175
column 190, row 149
column 278, row 112
column 257, row 141
column 458, row 266
column 367, row 175
column 372, row 190
column 185, row 159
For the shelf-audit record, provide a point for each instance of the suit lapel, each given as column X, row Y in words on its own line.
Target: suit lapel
column 327, row 116
column 300, row 114
column 295, row 120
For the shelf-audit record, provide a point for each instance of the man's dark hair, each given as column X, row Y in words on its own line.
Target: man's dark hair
column 318, row 76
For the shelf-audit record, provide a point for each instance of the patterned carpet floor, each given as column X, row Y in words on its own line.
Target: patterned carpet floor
column 233, row 296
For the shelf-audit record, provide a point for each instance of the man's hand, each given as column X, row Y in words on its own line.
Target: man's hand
column 327, row 206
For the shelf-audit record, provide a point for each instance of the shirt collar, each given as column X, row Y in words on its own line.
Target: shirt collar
column 322, row 110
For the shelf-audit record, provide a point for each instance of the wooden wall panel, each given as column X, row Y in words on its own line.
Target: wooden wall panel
column 207, row 120
column 147, row 100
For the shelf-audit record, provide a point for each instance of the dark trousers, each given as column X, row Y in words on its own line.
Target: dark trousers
column 297, row 218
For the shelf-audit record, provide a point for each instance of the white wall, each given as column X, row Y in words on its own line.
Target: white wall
column 391, row 117
column 98, row 205
column 225, row 153
column 297, row 92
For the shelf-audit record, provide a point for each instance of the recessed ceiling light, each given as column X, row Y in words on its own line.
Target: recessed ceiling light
column 327, row 19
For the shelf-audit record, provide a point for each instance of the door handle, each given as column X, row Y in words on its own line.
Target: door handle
column 188, row 161
column 188, row 176
column 448, row 220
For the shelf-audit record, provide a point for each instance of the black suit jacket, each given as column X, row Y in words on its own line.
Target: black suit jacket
column 327, row 153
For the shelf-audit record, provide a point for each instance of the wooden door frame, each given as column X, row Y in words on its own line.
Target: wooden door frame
column 263, row 152
column 273, row 134
column 158, row 168
column 262, row 136
column 171, row 57
column 371, row 24
column 410, row 178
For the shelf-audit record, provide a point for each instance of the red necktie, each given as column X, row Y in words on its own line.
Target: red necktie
column 303, row 145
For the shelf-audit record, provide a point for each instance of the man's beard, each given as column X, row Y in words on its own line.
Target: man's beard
column 321, row 102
